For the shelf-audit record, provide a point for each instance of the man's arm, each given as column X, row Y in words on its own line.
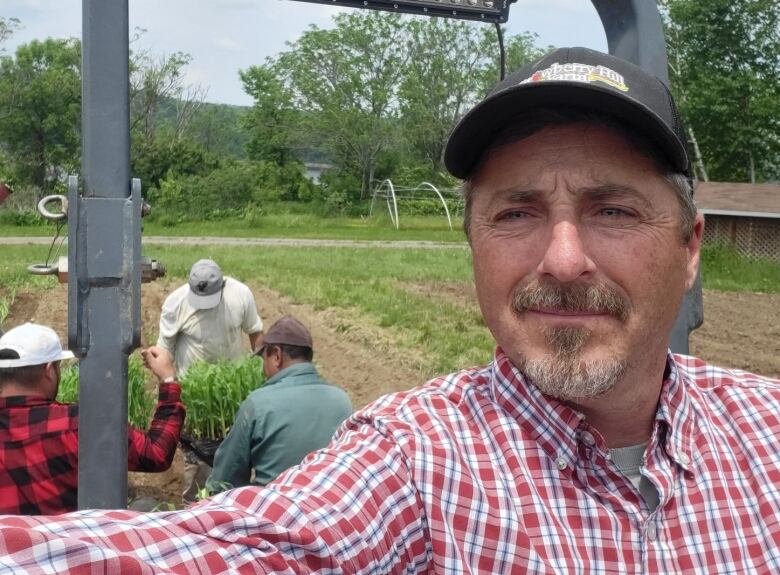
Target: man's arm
column 232, row 462
column 251, row 322
column 255, row 339
column 169, row 330
column 352, row 507
column 154, row 450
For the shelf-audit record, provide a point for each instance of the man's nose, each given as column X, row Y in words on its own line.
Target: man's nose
column 565, row 258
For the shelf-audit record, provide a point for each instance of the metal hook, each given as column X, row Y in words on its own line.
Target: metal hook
column 42, row 270
column 63, row 213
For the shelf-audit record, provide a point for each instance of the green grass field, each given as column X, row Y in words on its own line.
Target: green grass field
column 412, row 293
column 379, row 228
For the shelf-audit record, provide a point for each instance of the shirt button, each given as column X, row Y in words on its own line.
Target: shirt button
column 684, row 459
column 561, row 463
column 652, row 531
column 587, row 438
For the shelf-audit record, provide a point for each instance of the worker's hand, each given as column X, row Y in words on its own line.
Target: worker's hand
column 159, row 361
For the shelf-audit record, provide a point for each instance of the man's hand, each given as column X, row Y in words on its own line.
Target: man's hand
column 159, row 361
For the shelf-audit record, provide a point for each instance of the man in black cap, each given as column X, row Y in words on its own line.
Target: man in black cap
column 294, row 413
column 584, row 446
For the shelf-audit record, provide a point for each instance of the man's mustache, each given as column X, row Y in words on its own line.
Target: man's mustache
column 571, row 297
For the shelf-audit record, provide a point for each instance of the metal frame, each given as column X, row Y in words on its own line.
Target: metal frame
column 390, row 194
column 104, row 234
column 479, row 10
column 104, row 239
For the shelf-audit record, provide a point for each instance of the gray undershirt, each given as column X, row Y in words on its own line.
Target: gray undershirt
column 628, row 460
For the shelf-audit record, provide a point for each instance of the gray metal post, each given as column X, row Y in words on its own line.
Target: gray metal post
column 635, row 33
column 102, row 244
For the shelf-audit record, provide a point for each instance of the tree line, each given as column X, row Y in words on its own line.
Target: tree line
column 374, row 97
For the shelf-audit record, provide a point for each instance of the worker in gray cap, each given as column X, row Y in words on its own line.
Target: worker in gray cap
column 204, row 321
column 294, row 413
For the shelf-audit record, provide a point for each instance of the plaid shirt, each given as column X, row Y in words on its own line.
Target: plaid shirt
column 39, row 450
column 473, row 473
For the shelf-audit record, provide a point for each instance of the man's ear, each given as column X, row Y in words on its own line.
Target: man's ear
column 50, row 370
column 51, row 383
column 276, row 355
column 694, row 251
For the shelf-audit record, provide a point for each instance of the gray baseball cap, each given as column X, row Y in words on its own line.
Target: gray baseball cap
column 206, row 282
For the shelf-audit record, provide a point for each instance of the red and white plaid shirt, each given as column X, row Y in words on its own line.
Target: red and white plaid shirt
column 473, row 473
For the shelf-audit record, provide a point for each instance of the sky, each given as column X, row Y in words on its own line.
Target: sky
column 224, row 36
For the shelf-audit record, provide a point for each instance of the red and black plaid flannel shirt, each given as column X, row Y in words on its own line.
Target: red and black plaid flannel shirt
column 39, row 450
column 476, row 472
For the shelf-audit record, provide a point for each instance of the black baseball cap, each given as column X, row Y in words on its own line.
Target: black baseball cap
column 575, row 78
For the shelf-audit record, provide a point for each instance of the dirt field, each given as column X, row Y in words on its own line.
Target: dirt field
column 741, row 331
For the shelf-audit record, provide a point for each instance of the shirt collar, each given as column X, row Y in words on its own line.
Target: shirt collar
column 557, row 428
column 304, row 368
column 23, row 401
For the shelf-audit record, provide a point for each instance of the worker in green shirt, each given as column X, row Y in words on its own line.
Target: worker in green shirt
column 294, row 413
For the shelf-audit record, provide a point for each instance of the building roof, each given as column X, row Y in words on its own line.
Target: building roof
column 738, row 199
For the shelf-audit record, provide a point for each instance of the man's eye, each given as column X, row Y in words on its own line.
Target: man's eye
column 512, row 215
column 613, row 212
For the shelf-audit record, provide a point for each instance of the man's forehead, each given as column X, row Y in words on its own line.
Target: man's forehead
column 599, row 152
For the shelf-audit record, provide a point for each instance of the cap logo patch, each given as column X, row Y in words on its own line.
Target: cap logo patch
column 573, row 72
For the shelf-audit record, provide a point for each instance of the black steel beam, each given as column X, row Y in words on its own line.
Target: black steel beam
column 102, row 236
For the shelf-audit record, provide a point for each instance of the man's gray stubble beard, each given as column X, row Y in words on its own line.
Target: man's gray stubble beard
column 563, row 375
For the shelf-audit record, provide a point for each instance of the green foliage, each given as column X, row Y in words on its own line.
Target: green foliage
column 157, row 82
column 272, row 121
column 22, row 218
column 376, row 96
column 7, row 28
column 154, row 160
column 452, row 64
column 344, row 82
column 40, row 95
column 214, row 392
column 218, row 128
column 723, row 268
column 229, row 190
column 6, row 301
column 141, row 402
column 725, row 69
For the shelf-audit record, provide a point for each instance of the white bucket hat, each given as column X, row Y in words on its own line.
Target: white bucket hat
column 34, row 344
